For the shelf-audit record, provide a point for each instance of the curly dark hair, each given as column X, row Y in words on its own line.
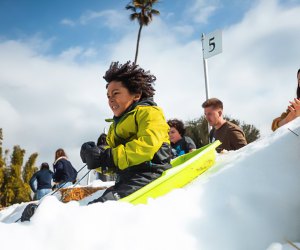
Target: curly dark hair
column 133, row 77
column 175, row 123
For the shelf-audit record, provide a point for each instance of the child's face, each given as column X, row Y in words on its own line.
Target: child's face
column 119, row 97
column 174, row 135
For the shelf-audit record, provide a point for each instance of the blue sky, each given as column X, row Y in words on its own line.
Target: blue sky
column 88, row 23
column 54, row 54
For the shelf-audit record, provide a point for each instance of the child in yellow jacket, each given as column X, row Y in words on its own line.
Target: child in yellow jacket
column 139, row 147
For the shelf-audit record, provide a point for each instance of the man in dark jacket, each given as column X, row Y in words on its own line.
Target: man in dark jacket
column 43, row 181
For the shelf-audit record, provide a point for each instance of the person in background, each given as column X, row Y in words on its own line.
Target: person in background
column 101, row 142
column 64, row 173
column 104, row 175
column 139, row 146
column 293, row 110
column 230, row 135
column 64, row 176
column 40, row 182
column 180, row 143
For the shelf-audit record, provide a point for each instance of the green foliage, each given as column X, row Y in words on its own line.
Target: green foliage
column 14, row 190
column 142, row 11
column 30, row 168
column 1, row 139
column 1, row 178
column 7, row 191
column 1, row 162
column 14, row 187
column 198, row 130
column 17, row 158
column 28, row 172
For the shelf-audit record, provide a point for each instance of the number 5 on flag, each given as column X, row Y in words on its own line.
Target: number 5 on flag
column 212, row 44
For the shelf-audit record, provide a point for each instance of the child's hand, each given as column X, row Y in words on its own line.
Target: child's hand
column 291, row 115
column 96, row 157
column 85, row 146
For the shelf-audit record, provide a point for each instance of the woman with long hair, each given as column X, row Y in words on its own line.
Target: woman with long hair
column 64, row 173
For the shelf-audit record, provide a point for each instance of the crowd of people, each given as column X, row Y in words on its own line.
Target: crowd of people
column 140, row 142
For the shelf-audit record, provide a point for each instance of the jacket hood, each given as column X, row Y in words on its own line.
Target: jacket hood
column 143, row 102
column 62, row 157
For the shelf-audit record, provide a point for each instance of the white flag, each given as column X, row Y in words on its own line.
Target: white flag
column 212, row 44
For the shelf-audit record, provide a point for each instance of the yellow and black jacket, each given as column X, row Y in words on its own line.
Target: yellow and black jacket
column 139, row 139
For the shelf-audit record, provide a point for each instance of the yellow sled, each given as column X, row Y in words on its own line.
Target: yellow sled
column 184, row 169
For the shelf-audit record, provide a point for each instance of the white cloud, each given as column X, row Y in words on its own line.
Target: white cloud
column 78, row 53
column 90, row 52
column 110, row 18
column 201, row 10
column 113, row 19
column 184, row 30
column 90, row 15
column 10, row 117
column 68, row 22
column 49, row 102
column 71, row 53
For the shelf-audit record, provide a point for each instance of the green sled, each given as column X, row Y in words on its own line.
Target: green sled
column 185, row 168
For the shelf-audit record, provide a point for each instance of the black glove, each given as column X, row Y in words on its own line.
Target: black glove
column 85, row 146
column 96, row 157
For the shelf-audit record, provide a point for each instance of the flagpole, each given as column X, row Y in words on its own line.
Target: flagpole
column 206, row 79
column 205, row 69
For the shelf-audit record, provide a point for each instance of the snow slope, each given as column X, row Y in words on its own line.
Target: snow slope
column 248, row 201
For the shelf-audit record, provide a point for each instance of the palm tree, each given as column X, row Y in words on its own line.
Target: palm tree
column 144, row 16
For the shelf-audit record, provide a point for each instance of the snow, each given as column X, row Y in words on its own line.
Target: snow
column 248, row 201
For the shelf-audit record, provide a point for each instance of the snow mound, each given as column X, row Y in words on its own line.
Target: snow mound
column 249, row 200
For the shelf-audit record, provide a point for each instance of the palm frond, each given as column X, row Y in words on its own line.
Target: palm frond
column 130, row 7
column 146, row 20
column 155, row 12
column 138, row 5
column 139, row 2
column 134, row 16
